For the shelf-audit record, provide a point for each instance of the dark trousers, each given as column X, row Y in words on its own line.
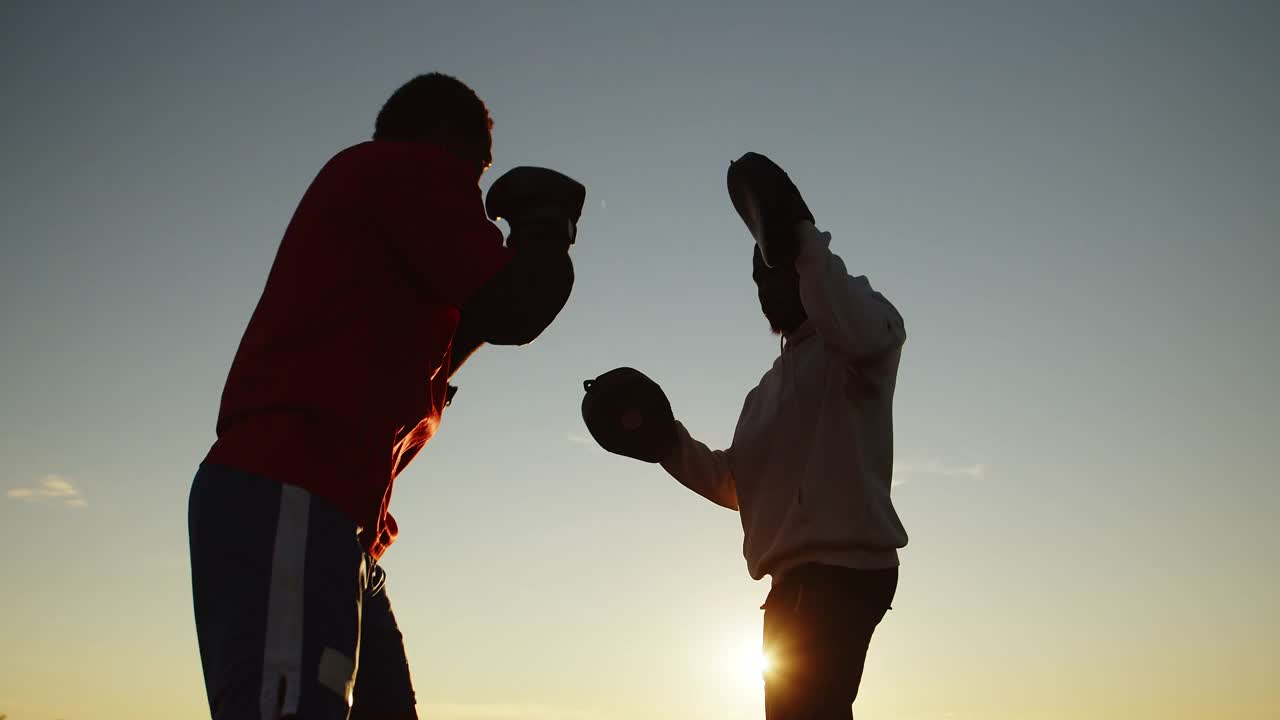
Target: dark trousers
column 288, row 607
column 817, row 627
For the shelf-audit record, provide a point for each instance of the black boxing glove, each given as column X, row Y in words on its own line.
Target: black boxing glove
column 540, row 205
column 517, row 304
column 513, row 308
column 628, row 414
column 770, row 204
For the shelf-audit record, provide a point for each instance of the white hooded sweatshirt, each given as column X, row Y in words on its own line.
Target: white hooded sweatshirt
column 811, row 462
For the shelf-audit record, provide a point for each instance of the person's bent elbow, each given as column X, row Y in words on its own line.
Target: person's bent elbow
column 528, row 299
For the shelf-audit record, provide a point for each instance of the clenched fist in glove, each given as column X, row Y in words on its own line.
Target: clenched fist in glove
column 542, row 207
column 628, row 414
column 537, row 201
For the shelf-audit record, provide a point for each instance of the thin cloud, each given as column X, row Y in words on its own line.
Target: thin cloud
column 583, row 440
column 53, row 489
column 507, row 711
column 929, row 467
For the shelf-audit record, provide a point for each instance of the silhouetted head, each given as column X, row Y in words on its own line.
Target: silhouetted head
column 779, row 292
column 441, row 110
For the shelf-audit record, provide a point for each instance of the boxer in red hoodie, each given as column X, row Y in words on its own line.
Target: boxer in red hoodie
column 389, row 276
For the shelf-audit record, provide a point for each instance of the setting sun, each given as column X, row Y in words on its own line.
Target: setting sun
column 750, row 663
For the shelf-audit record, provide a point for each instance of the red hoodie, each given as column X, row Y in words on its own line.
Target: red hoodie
column 340, row 377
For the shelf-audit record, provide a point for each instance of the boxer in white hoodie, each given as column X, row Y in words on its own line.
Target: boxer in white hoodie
column 810, row 466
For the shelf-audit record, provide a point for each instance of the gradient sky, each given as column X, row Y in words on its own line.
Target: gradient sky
column 1076, row 207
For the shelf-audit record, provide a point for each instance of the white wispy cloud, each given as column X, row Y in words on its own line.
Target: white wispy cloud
column 54, row 489
column 508, row 711
column 583, row 440
column 931, row 467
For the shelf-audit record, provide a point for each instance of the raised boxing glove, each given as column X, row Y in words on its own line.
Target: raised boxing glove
column 528, row 196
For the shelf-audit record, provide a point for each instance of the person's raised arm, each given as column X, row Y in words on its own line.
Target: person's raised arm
column 846, row 311
column 542, row 207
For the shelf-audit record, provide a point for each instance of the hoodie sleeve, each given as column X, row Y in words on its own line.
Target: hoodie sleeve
column 703, row 470
column 845, row 311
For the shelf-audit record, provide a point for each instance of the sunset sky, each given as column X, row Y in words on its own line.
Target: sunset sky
column 1075, row 206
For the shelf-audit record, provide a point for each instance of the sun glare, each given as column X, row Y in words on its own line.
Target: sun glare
column 750, row 664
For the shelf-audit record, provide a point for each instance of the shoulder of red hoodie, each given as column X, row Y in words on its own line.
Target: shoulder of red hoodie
column 341, row 370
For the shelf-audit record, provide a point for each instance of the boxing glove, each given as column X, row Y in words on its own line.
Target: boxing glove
column 528, row 197
column 542, row 207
